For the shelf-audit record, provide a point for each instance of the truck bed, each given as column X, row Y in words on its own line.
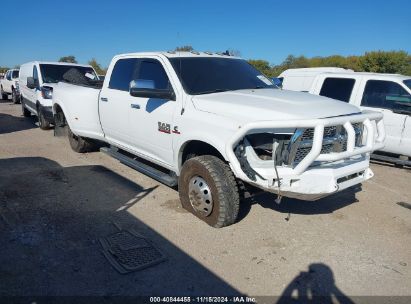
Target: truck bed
column 80, row 107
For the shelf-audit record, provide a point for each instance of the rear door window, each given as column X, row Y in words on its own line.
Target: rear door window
column 122, row 74
column 338, row 88
column 387, row 95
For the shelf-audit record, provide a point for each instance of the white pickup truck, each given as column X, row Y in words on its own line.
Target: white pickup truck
column 210, row 122
column 9, row 85
column 389, row 94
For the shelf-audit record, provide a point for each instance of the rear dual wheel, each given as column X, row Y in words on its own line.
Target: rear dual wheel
column 26, row 113
column 4, row 95
column 43, row 123
column 79, row 144
column 14, row 97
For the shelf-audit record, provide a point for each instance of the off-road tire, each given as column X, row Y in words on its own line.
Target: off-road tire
column 14, row 97
column 26, row 113
column 4, row 96
column 223, row 185
column 79, row 144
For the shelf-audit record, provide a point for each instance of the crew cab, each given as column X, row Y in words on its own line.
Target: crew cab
column 389, row 94
column 209, row 123
column 36, row 85
column 9, row 85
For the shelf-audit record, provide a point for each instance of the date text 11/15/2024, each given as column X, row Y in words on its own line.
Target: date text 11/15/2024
column 203, row 299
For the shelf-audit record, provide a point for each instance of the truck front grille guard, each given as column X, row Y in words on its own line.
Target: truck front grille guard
column 335, row 139
column 373, row 140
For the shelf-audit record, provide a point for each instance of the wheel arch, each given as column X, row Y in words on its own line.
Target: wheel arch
column 60, row 115
column 198, row 148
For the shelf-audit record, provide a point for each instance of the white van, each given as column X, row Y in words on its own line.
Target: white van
column 37, row 80
column 387, row 93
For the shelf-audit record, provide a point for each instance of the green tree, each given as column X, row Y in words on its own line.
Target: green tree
column 263, row 66
column 3, row 69
column 97, row 67
column 292, row 62
column 377, row 61
column 70, row 59
column 184, row 48
column 385, row 62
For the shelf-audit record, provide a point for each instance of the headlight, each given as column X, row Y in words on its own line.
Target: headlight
column 47, row 92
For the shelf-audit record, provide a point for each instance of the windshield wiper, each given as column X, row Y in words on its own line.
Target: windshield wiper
column 402, row 111
column 213, row 91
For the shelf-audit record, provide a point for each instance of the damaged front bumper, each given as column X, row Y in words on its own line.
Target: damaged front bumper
column 321, row 170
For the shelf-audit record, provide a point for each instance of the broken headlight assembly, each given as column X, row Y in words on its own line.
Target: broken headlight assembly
column 263, row 145
column 259, row 149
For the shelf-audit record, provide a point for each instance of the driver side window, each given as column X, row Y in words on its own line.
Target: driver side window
column 151, row 69
column 385, row 94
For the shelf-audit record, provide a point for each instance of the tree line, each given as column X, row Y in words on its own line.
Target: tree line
column 398, row 62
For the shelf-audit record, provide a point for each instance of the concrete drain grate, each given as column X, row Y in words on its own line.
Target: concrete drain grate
column 128, row 251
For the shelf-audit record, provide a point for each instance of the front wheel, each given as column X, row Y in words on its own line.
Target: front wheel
column 209, row 190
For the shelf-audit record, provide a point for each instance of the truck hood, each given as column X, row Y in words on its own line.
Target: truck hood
column 246, row 106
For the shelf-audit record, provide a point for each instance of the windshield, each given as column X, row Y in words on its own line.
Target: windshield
column 202, row 75
column 53, row 73
column 407, row 82
column 15, row 74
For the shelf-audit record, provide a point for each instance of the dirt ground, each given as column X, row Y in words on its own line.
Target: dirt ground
column 56, row 204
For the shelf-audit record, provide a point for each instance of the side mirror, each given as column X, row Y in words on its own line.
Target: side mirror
column 145, row 88
column 31, row 83
column 278, row 81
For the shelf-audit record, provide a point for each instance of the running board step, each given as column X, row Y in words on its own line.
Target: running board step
column 167, row 179
column 391, row 159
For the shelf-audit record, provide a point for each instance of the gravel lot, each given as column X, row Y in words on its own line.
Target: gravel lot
column 55, row 205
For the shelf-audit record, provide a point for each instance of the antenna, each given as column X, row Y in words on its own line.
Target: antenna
column 181, row 74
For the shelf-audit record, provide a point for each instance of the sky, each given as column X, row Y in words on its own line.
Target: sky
column 269, row 30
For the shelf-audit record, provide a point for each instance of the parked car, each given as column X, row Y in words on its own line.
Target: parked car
column 389, row 94
column 9, row 85
column 37, row 80
column 210, row 122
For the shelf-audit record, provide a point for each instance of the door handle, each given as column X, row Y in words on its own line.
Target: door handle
column 104, row 99
column 135, row 106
